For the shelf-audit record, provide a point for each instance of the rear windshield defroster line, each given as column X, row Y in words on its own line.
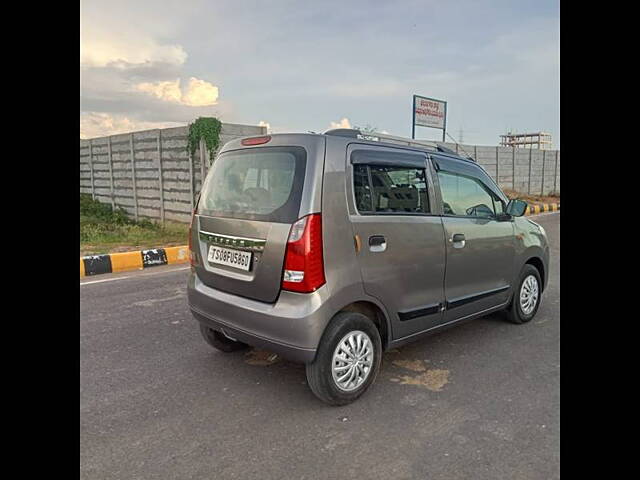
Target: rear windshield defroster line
column 263, row 184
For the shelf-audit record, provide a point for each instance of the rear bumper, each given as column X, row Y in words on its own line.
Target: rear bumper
column 289, row 352
column 291, row 327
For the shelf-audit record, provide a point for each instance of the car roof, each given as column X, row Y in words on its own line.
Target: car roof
column 362, row 138
column 349, row 135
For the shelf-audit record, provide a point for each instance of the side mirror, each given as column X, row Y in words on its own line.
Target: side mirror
column 516, row 208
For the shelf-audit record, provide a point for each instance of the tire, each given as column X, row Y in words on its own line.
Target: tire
column 320, row 373
column 515, row 312
column 218, row 341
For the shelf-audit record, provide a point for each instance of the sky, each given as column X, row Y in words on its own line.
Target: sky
column 309, row 66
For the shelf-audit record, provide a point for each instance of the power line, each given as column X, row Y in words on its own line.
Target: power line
column 460, row 146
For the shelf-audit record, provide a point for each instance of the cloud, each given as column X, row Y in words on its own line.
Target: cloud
column 123, row 32
column 167, row 91
column 97, row 124
column 344, row 123
column 126, row 68
column 198, row 93
column 494, row 74
column 102, row 50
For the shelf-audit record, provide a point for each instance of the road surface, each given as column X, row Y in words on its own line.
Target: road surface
column 481, row 400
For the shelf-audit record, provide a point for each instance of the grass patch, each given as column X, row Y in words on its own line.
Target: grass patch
column 103, row 230
column 533, row 199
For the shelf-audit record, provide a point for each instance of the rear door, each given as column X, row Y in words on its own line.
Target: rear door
column 402, row 253
column 480, row 248
column 249, row 200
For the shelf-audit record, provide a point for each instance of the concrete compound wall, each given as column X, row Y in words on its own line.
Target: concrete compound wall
column 162, row 182
column 149, row 173
column 528, row 171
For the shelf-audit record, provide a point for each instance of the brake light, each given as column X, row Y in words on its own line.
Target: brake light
column 255, row 140
column 303, row 262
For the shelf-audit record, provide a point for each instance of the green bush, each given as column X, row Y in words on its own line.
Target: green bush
column 93, row 209
column 101, row 225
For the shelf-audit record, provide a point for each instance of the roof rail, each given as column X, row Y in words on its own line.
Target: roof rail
column 343, row 132
column 386, row 138
column 380, row 137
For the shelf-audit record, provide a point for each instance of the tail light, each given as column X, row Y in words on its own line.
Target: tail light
column 193, row 256
column 303, row 262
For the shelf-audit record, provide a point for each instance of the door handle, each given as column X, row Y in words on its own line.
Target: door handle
column 377, row 243
column 458, row 240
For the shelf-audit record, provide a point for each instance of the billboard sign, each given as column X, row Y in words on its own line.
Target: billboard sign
column 429, row 112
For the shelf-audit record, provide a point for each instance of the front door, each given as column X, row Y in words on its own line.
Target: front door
column 402, row 251
column 480, row 248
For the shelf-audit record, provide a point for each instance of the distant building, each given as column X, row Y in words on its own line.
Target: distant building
column 538, row 140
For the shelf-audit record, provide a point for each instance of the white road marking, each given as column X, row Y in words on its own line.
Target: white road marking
column 133, row 276
column 105, row 280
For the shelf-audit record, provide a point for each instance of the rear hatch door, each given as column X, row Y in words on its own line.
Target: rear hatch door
column 249, row 200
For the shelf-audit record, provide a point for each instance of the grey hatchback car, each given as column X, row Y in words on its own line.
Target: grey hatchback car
column 330, row 248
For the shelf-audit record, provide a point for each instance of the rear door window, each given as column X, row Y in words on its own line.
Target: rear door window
column 255, row 184
column 387, row 189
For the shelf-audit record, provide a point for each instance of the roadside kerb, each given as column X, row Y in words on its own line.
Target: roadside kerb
column 137, row 260
column 542, row 208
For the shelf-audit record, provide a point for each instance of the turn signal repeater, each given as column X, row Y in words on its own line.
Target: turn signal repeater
column 357, row 243
column 303, row 262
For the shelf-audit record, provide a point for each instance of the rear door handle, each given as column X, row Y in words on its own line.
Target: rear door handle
column 377, row 243
column 458, row 240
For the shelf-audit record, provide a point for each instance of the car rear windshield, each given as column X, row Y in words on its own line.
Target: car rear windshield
column 262, row 184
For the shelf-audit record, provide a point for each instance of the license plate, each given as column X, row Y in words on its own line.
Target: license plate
column 230, row 258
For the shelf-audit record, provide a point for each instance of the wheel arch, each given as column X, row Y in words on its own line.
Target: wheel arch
column 538, row 264
column 375, row 313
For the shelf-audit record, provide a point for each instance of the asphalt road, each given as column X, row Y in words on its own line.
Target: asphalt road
column 478, row 401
